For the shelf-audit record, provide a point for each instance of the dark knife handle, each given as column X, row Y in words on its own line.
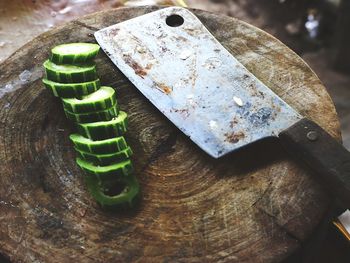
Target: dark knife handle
column 328, row 158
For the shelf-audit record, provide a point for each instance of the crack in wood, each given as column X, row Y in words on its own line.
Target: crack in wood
column 281, row 226
column 263, row 194
column 165, row 146
column 79, row 23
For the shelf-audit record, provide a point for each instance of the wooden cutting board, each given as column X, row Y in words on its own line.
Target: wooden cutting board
column 256, row 205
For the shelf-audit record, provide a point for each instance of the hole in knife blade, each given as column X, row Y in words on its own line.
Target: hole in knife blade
column 174, row 20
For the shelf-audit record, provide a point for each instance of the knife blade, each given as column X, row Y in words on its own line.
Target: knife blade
column 180, row 67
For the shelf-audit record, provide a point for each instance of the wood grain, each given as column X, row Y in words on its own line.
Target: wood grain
column 256, row 205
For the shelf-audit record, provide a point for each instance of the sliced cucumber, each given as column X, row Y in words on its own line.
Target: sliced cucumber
column 102, row 99
column 74, row 53
column 112, row 145
column 108, row 172
column 105, row 159
column 71, row 90
column 70, row 73
column 104, row 129
column 104, row 115
column 126, row 198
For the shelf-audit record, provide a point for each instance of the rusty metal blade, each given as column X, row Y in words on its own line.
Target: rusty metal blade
column 194, row 81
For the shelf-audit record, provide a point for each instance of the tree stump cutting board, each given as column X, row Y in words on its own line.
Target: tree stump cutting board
column 255, row 205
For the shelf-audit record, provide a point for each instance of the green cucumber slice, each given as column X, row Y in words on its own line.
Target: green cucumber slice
column 127, row 198
column 104, row 115
column 74, row 53
column 108, row 172
column 70, row 73
column 105, row 159
column 102, row 99
column 71, row 90
column 104, row 129
column 112, row 145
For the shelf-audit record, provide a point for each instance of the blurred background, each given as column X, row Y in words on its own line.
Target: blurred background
column 317, row 30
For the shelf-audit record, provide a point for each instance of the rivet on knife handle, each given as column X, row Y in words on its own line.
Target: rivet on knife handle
column 323, row 154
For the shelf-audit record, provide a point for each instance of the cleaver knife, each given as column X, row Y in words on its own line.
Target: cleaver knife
column 180, row 67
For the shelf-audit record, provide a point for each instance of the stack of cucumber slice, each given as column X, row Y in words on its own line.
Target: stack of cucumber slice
column 101, row 148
